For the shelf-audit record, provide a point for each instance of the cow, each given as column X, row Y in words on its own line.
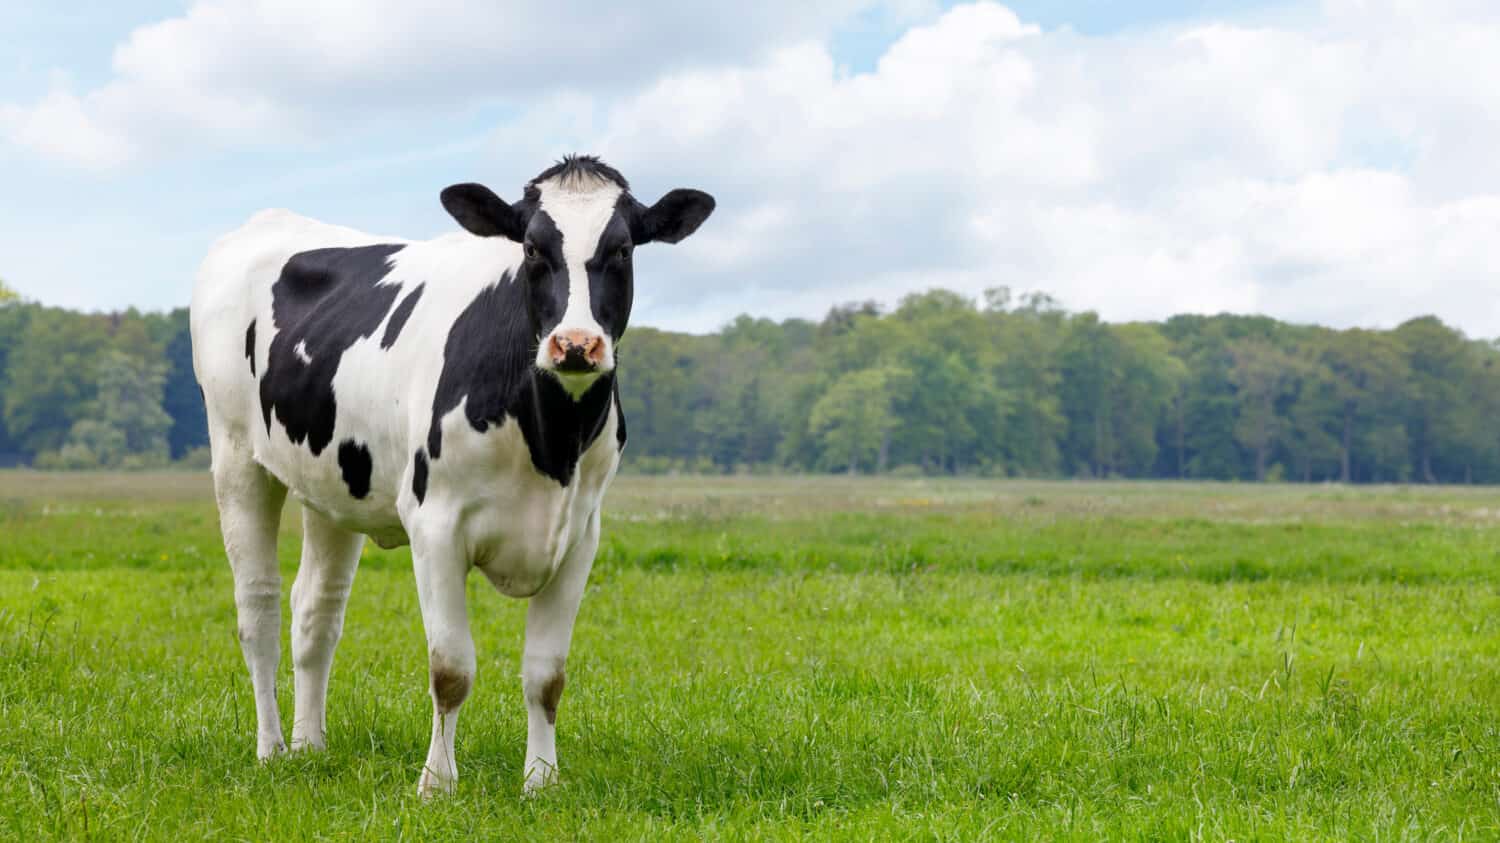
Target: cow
column 456, row 394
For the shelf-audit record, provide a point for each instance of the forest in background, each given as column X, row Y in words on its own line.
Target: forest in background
column 940, row 384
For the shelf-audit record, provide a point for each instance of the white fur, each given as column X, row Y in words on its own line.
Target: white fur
column 580, row 208
column 486, row 505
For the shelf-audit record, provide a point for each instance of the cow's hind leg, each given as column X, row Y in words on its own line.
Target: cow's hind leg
column 330, row 555
column 549, row 634
column 250, row 502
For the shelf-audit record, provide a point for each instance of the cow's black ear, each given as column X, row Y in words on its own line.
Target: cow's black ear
column 674, row 216
column 479, row 210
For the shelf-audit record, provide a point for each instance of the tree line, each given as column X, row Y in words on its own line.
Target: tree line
column 1017, row 386
column 940, row 384
column 88, row 390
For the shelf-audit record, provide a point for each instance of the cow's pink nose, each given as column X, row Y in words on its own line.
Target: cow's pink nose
column 575, row 351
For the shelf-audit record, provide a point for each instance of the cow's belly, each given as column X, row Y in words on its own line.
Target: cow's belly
column 319, row 483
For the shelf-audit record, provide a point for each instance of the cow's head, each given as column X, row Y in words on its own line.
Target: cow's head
column 578, row 227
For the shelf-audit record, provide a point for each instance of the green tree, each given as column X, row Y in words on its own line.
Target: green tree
column 1201, row 425
column 126, row 425
column 180, row 396
column 1443, row 408
column 130, row 401
column 658, row 374
column 91, row 444
column 1027, row 375
column 1310, row 442
column 733, row 412
column 854, row 416
column 949, row 404
column 13, row 319
column 1367, row 370
column 51, row 376
column 1117, row 381
column 1263, row 375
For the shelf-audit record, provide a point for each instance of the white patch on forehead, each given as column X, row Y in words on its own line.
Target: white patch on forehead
column 580, row 205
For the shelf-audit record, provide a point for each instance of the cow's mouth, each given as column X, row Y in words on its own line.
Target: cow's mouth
column 576, row 362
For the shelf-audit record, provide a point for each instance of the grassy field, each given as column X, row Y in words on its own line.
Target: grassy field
column 799, row 658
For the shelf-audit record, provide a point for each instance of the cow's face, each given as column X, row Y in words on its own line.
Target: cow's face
column 578, row 227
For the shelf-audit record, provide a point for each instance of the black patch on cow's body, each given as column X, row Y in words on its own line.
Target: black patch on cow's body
column 419, row 476
column 355, row 463
column 559, row 429
column 485, row 358
column 324, row 302
column 250, row 346
column 619, row 420
column 488, row 360
column 399, row 317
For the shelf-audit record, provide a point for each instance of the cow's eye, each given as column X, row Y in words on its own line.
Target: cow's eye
column 624, row 253
column 531, row 252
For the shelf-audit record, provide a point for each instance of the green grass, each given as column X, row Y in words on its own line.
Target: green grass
column 786, row 658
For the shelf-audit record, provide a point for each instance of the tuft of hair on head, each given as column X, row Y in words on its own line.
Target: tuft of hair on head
column 581, row 174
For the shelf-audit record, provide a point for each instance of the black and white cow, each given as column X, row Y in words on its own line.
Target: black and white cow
column 457, row 394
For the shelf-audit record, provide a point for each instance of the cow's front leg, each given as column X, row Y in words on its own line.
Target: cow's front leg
column 549, row 632
column 441, row 571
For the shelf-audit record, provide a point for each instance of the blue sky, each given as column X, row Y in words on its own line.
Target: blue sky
column 1318, row 161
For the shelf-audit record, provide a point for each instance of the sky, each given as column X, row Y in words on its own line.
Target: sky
column 1331, row 162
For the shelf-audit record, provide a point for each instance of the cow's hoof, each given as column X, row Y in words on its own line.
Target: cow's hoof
column 538, row 781
column 307, row 745
column 431, row 785
column 268, row 748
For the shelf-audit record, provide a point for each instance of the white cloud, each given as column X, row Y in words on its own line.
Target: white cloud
column 1331, row 172
column 243, row 72
column 1334, row 166
column 60, row 124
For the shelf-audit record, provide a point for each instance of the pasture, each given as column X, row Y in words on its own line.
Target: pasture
column 798, row 658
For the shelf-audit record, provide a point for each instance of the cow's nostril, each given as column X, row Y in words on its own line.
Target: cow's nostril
column 576, row 351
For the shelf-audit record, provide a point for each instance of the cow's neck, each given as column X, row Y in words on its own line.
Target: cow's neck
column 557, row 427
column 488, row 368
